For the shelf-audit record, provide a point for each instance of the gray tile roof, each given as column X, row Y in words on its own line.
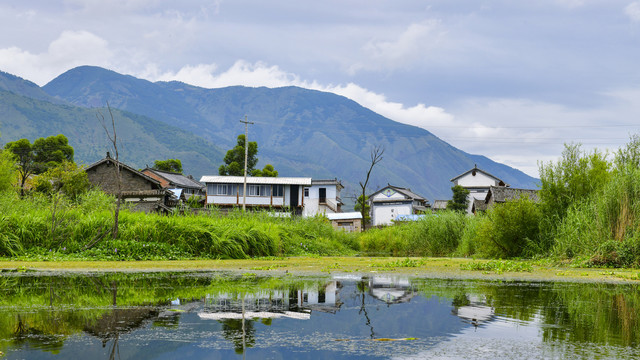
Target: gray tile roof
column 502, row 194
column 178, row 180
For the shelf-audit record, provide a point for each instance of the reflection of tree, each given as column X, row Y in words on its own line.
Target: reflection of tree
column 363, row 288
column 232, row 331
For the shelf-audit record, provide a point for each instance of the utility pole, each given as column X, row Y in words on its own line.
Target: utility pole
column 246, row 155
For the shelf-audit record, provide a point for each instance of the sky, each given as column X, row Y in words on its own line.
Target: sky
column 511, row 80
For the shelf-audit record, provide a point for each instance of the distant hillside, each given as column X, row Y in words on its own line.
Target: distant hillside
column 301, row 132
column 141, row 139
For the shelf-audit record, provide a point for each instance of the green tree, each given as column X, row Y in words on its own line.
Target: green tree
column 50, row 152
column 7, row 170
column 460, row 200
column 36, row 158
column 358, row 207
column 171, row 165
column 66, row 178
column 267, row 171
column 234, row 159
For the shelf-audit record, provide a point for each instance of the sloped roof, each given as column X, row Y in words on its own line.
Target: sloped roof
column 439, row 204
column 406, row 191
column 256, row 180
column 475, row 168
column 108, row 158
column 502, row 194
column 177, row 179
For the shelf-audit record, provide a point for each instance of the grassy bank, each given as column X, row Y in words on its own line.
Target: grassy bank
column 456, row 268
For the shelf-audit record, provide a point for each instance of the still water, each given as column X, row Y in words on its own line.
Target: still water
column 213, row 315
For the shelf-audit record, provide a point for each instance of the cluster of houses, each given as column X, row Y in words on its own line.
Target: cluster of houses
column 160, row 191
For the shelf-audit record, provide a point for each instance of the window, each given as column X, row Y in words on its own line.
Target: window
column 278, row 190
column 258, row 190
column 306, row 192
column 221, row 189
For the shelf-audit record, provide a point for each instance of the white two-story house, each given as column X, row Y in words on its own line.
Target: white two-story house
column 478, row 183
column 322, row 197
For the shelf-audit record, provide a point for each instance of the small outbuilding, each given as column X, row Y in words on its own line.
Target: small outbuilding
column 347, row 221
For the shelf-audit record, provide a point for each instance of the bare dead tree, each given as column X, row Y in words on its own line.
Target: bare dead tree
column 113, row 137
column 376, row 157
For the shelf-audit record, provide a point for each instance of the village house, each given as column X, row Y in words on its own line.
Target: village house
column 280, row 193
column 439, row 205
column 391, row 201
column 478, row 182
column 183, row 187
column 145, row 192
column 322, row 197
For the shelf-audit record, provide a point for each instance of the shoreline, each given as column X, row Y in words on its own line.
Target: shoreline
column 441, row 268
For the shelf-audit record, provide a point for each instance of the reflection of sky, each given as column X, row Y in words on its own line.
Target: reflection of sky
column 347, row 334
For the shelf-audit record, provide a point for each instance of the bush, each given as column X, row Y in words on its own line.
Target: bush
column 510, row 230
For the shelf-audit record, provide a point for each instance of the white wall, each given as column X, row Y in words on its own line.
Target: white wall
column 479, row 180
column 384, row 214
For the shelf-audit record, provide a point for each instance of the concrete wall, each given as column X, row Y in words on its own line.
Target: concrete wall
column 104, row 176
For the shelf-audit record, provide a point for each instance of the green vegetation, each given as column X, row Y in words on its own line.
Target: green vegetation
column 234, row 161
column 459, row 200
column 171, row 165
column 39, row 227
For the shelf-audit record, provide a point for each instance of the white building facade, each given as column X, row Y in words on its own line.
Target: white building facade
column 322, row 197
column 478, row 183
column 391, row 201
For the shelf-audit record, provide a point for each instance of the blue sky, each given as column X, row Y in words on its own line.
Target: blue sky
column 512, row 80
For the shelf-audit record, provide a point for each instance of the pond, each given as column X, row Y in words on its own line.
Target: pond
column 216, row 315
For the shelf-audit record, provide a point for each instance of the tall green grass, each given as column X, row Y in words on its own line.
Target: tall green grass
column 41, row 225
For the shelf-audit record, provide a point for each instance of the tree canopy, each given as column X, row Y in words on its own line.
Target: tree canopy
column 42, row 155
column 171, row 165
column 459, row 201
column 234, row 161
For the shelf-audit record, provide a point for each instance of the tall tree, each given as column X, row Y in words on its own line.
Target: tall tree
column 376, row 157
column 113, row 138
column 23, row 153
column 460, row 199
column 171, row 165
column 234, row 161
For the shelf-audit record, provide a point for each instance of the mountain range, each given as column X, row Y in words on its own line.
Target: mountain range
column 301, row 132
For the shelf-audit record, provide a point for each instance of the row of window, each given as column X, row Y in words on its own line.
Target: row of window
column 252, row 190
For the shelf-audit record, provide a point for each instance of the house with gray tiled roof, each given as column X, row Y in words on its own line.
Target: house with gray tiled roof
column 478, row 182
column 391, row 201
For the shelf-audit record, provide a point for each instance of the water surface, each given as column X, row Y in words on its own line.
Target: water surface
column 214, row 315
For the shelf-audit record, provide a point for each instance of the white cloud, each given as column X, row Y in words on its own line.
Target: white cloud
column 70, row 49
column 633, row 11
column 416, row 42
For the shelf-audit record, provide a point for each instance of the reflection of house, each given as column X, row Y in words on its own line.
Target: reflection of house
column 478, row 183
column 322, row 197
column 266, row 192
column 349, row 221
column 389, row 202
column 170, row 180
column 295, row 304
column 136, row 188
column 475, row 312
column 391, row 290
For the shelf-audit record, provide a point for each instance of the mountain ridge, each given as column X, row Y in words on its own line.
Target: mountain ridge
column 301, row 132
